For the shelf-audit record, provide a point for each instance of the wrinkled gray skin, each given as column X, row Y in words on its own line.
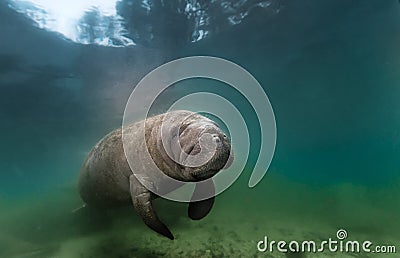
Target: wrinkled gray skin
column 107, row 180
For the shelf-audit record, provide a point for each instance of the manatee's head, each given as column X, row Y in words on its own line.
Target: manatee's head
column 205, row 148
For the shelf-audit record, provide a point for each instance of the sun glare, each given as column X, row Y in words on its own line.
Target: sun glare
column 62, row 16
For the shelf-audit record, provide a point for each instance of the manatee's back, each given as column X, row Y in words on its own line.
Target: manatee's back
column 104, row 176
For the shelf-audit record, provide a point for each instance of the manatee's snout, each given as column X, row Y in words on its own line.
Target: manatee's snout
column 207, row 153
column 222, row 148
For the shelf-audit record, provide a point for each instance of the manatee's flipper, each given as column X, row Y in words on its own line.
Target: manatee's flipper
column 199, row 209
column 141, row 198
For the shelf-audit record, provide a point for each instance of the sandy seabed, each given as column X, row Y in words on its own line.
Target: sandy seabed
column 45, row 226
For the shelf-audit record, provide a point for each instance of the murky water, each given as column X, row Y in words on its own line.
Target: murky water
column 329, row 68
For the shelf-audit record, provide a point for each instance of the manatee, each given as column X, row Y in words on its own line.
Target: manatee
column 107, row 180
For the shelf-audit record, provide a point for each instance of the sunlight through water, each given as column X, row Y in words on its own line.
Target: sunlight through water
column 76, row 19
column 155, row 23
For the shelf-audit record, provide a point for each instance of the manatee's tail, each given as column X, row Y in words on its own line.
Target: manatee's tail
column 141, row 198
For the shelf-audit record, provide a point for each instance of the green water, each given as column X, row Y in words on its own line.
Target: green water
column 46, row 226
column 331, row 70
